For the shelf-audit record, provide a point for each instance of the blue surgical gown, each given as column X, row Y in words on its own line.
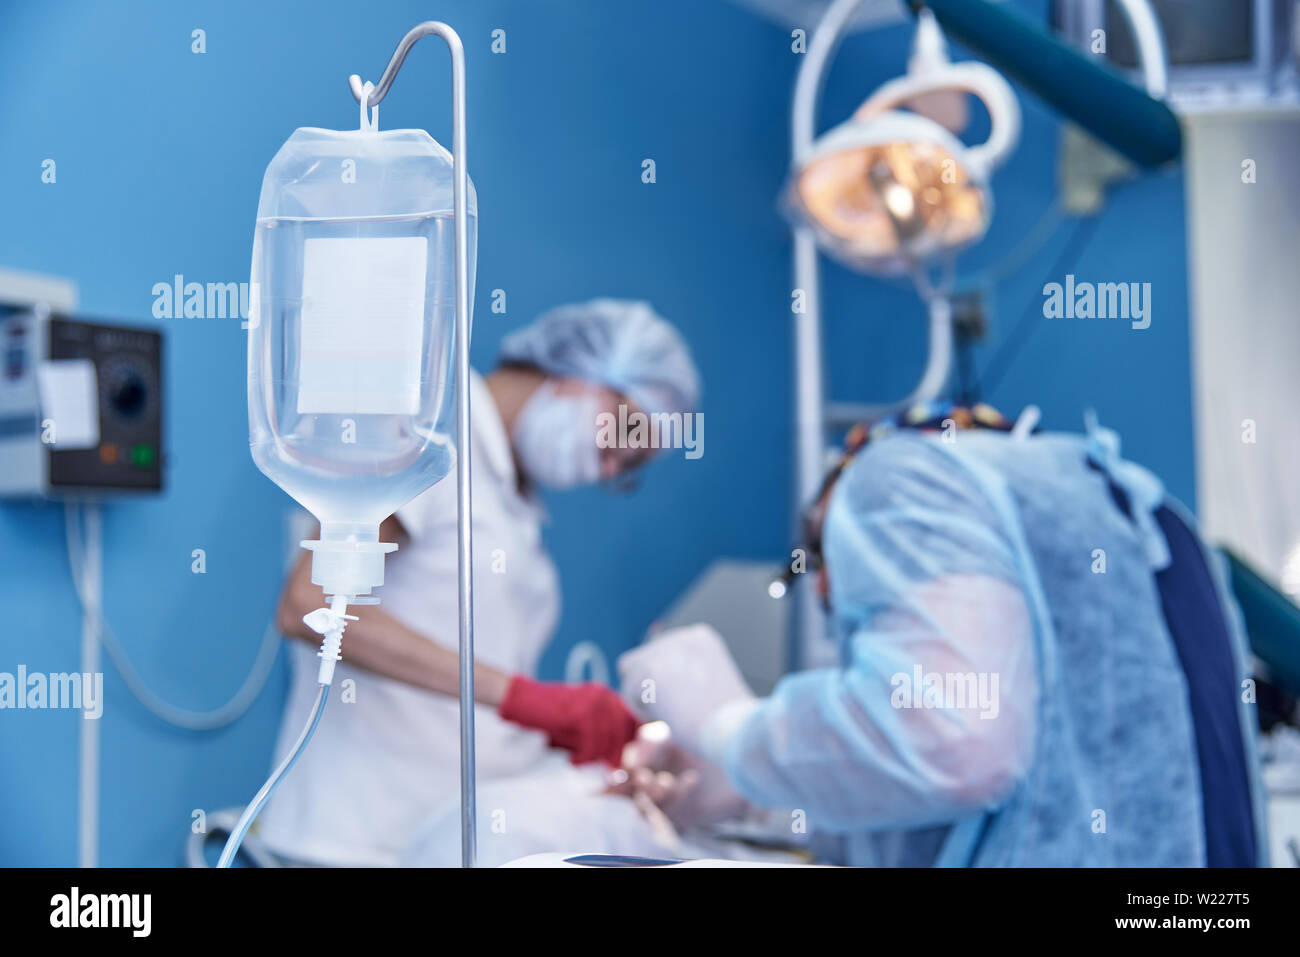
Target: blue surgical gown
column 1009, row 693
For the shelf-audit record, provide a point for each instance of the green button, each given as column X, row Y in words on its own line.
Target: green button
column 143, row 456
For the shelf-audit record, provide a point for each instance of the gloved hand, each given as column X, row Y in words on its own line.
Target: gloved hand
column 588, row 720
column 685, row 676
column 692, row 793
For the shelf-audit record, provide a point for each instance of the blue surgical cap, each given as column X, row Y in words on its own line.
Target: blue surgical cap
column 619, row 343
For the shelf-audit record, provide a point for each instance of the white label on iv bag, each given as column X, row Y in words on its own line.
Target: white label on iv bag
column 362, row 325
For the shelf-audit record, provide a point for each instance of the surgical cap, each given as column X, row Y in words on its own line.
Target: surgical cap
column 619, row 343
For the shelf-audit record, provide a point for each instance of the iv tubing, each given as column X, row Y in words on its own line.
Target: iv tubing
column 337, row 618
column 255, row 806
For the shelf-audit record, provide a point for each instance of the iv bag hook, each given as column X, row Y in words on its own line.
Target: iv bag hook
column 460, row 197
column 426, row 29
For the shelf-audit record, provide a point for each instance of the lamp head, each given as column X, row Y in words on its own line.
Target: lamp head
column 887, row 191
column 893, row 187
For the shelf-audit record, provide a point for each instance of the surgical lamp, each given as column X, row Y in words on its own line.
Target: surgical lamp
column 888, row 192
column 892, row 190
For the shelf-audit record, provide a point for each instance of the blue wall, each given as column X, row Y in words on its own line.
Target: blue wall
column 160, row 154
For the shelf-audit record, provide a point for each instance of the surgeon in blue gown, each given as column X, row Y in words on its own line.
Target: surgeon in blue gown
column 1040, row 666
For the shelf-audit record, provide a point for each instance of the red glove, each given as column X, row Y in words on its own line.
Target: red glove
column 588, row 720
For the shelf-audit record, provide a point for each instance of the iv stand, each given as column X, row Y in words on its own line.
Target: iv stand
column 460, row 197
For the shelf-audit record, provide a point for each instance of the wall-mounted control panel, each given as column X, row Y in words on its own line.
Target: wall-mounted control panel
column 80, row 406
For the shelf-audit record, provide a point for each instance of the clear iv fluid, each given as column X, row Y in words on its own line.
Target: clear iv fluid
column 351, row 379
column 350, row 466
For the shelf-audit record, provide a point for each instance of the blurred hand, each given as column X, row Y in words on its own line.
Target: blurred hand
column 689, row 791
column 589, row 721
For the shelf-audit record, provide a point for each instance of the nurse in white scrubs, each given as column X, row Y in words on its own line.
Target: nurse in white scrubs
column 385, row 768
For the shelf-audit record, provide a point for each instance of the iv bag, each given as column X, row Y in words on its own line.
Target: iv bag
column 351, row 380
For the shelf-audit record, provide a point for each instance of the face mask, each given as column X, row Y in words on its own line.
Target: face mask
column 555, row 438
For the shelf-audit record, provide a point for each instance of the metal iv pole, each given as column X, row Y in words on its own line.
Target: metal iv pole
column 460, row 197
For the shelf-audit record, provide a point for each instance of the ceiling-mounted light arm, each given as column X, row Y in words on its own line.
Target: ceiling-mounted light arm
column 1153, row 55
column 808, row 84
column 809, row 412
column 1132, row 121
column 1004, row 111
column 938, row 364
column 971, row 77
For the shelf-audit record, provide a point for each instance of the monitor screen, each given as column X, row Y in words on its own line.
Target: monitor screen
column 1197, row 32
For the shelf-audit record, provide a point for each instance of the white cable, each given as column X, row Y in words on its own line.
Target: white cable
column 938, row 360
column 219, row 717
column 1009, row 263
column 224, row 822
column 88, row 748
